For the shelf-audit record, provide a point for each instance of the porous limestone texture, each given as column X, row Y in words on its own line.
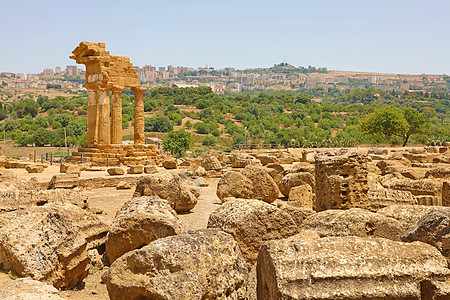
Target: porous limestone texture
column 203, row 264
column 43, row 244
column 251, row 223
column 291, row 180
column 264, row 187
column 409, row 215
column 342, row 181
column 234, row 184
column 353, row 222
column 169, row 187
column 433, row 229
column 28, row 289
column 138, row 222
column 350, row 268
column 12, row 199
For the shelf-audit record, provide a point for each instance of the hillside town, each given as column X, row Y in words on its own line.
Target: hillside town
column 280, row 77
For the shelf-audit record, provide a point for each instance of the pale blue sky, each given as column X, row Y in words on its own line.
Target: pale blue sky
column 391, row 36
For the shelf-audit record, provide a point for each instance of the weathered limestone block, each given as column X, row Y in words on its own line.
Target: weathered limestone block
column 251, row 223
column 139, row 222
column 240, row 160
column 413, row 173
column 291, row 180
column 234, row 184
column 266, row 159
column 396, row 164
column 91, row 228
column 203, row 264
column 44, row 245
column 211, row 163
column 123, row 185
column 353, row 222
column 416, row 187
column 433, row 229
column 298, row 214
column 34, row 168
column 17, row 199
column 446, row 193
column 420, row 158
column 135, row 169
column 380, row 198
column 63, row 181
column 348, row 268
column 409, row 215
column 342, row 181
column 429, row 200
column 201, row 182
column 116, row 171
column 279, row 168
column 28, row 289
column 439, row 172
column 264, row 187
column 302, row 167
column 170, row 163
column 150, row 170
column 168, row 187
column 301, row 196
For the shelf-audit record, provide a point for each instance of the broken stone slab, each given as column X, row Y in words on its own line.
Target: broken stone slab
column 18, row 199
column 203, row 264
column 34, row 168
column 28, row 289
column 353, row 222
column 349, row 268
column 135, row 169
column 116, row 171
column 63, row 181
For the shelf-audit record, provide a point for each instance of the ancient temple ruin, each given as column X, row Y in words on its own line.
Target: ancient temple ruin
column 105, row 74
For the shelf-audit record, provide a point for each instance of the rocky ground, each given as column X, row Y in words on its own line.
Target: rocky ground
column 303, row 208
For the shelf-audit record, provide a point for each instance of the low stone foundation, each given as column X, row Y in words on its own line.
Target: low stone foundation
column 116, row 155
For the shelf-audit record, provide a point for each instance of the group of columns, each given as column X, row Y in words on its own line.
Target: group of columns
column 104, row 124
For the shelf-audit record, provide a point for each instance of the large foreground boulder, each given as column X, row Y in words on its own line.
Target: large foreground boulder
column 433, row 229
column 139, row 222
column 350, row 268
column 169, row 187
column 43, row 244
column 203, row 264
column 353, row 222
column 251, row 223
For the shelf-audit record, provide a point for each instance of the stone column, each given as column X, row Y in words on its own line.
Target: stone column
column 92, row 117
column 139, row 135
column 103, row 118
column 116, row 116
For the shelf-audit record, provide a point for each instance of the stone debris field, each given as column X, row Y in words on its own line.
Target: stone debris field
column 357, row 223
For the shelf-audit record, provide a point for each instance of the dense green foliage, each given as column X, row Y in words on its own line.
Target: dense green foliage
column 341, row 118
column 177, row 142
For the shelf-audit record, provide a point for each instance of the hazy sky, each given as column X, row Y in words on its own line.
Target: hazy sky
column 392, row 36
